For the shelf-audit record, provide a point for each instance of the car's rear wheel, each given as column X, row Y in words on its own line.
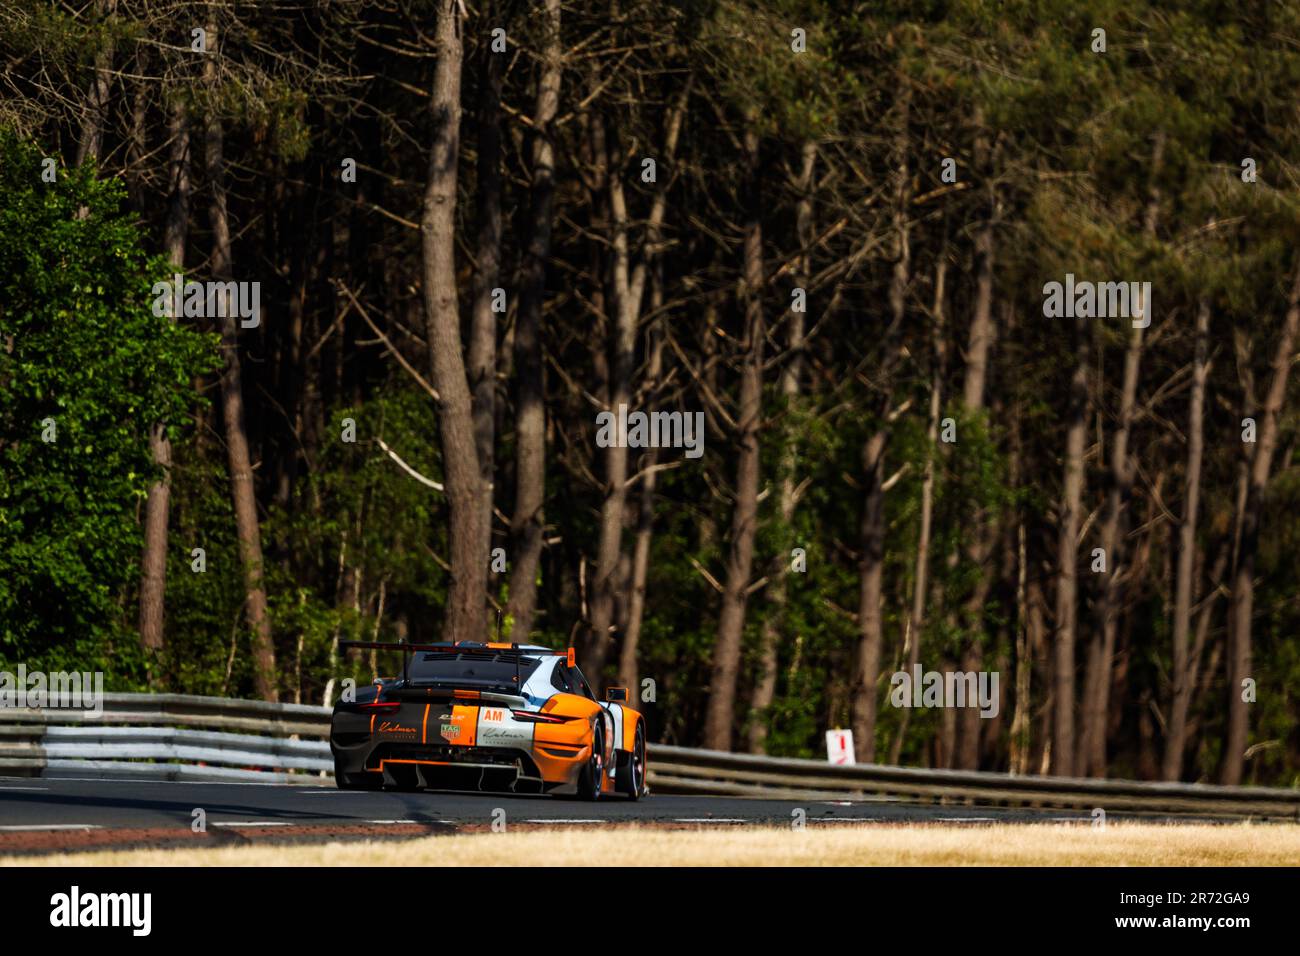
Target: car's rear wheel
column 592, row 774
column 631, row 776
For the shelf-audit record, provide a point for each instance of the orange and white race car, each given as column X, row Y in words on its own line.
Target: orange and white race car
column 501, row 717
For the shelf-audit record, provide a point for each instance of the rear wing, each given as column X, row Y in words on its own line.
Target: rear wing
column 508, row 651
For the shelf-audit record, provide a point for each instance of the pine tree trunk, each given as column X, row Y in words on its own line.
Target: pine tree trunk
column 530, row 413
column 157, row 510
column 1091, row 758
column 871, row 568
column 623, row 341
column 1063, row 741
column 721, row 713
column 916, row 620
column 483, row 322
column 1176, row 734
column 239, row 457
column 1243, row 575
column 765, row 680
column 92, row 121
column 465, row 614
column 983, row 531
column 628, row 675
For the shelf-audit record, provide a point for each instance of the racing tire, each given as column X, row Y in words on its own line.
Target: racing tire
column 630, row 779
column 591, row 776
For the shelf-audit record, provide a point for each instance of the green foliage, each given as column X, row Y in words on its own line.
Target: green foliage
column 85, row 362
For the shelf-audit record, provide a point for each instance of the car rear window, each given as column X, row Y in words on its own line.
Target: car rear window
column 472, row 669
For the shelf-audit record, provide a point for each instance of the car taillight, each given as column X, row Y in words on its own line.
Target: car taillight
column 381, row 707
column 536, row 718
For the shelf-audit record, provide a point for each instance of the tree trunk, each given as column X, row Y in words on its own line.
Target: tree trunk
column 916, row 621
column 628, row 675
column 92, row 122
column 1243, row 576
column 1067, row 560
column 870, row 586
column 467, row 596
column 1091, row 758
column 628, row 286
column 530, row 414
column 153, row 561
column 765, row 680
column 984, row 531
column 1176, row 734
column 871, row 569
column 483, row 324
column 232, row 398
column 609, row 546
column 720, row 715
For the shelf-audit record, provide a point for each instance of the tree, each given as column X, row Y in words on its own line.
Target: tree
column 239, row 456
column 78, row 396
column 467, row 595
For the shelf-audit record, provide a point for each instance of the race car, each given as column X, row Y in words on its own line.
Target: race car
column 499, row 717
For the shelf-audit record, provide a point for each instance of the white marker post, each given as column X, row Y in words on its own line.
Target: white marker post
column 839, row 747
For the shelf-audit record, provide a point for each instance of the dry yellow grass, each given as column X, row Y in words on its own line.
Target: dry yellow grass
column 929, row 845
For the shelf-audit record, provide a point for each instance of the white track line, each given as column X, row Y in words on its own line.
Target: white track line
column 414, row 823
column 10, row 789
column 963, row 820
column 555, row 820
column 187, row 783
column 711, row 820
column 252, row 823
column 13, row 828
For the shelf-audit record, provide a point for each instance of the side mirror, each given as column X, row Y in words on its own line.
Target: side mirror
column 616, row 695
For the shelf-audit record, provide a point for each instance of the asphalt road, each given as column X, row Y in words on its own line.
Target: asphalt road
column 35, row 802
column 29, row 805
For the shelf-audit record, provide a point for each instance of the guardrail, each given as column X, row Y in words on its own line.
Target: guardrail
column 170, row 737
column 177, row 737
column 687, row 770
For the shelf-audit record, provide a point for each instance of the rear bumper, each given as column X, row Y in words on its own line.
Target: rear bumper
column 431, row 751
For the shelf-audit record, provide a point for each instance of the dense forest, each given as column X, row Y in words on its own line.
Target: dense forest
column 463, row 234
